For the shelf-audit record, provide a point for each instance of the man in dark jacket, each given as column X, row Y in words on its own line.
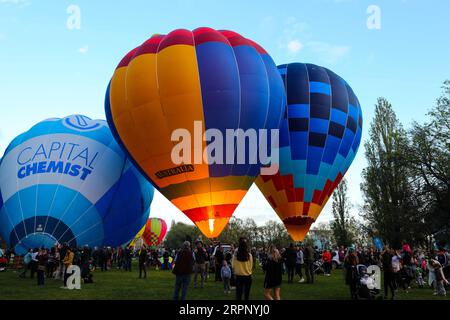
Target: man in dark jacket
column 218, row 261
column 143, row 257
column 389, row 277
column 308, row 257
column 200, row 259
column 290, row 256
column 184, row 263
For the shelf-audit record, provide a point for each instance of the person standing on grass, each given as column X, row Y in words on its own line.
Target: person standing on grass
column 350, row 264
column 290, row 256
column 273, row 274
column 143, row 257
column 389, row 277
column 42, row 258
column 308, row 256
column 229, row 258
column 200, row 259
column 225, row 273
column 51, row 266
column 207, row 263
column 128, row 258
column 326, row 257
column 440, row 281
column 242, row 264
column 34, row 262
column 299, row 264
column 68, row 261
column 184, row 264
column 218, row 259
column 62, row 255
column 26, row 263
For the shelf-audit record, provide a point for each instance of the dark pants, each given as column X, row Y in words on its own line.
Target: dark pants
column 26, row 267
column 309, row 271
column 51, row 266
column 290, row 271
column 218, row 276
column 66, row 275
column 40, row 277
column 226, row 284
column 142, row 268
column 103, row 265
column 243, row 285
column 327, row 267
column 199, row 268
column 298, row 270
column 388, row 283
column 33, row 268
column 128, row 265
column 181, row 283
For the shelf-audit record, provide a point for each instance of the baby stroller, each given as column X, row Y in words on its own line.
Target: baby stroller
column 365, row 284
column 318, row 266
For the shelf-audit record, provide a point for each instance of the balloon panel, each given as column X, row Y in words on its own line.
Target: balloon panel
column 67, row 180
column 171, row 81
column 319, row 138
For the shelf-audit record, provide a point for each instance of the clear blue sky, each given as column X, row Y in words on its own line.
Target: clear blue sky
column 47, row 70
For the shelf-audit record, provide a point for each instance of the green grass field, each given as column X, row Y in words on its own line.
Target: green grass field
column 117, row 284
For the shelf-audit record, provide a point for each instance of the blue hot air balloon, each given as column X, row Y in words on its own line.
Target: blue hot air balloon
column 67, row 180
column 319, row 139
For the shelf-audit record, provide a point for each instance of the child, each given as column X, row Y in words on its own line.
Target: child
column 419, row 277
column 225, row 272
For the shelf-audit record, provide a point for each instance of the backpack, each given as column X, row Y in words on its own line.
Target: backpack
column 442, row 258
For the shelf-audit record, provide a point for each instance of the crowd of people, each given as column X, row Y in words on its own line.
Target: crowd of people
column 53, row 263
column 402, row 268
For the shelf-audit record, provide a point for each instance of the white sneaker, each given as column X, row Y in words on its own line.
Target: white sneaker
column 301, row 280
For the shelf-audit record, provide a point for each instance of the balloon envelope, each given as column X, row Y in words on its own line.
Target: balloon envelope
column 154, row 232
column 218, row 78
column 319, row 138
column 67, row 180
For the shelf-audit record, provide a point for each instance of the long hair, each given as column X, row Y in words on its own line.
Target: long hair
column 274, row 254
column 242, row 251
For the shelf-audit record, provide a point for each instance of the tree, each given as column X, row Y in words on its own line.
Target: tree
column 340, row 226
column 274, row 233
column 429, row 155
column 389, row 204
column 180, row 232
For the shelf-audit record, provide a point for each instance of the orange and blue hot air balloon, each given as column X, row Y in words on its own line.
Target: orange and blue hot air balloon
column 319, row 138
column 217, row 78
column 154, row 232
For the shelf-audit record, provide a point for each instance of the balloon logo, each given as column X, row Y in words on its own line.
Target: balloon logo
column 171, row 81
column 154, row 232
column 81, row 123
column 319, row 138
column 60, row 183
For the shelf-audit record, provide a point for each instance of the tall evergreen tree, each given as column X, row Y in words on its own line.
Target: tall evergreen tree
column 389, row 205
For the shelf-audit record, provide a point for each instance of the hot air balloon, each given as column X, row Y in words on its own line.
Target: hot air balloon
column 154, row 232
column 319, row 138
column 67, row 180
column 216, row 78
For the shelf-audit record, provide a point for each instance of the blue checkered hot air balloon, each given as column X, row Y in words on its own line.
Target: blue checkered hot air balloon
column 319, row 138
column 67, row 180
